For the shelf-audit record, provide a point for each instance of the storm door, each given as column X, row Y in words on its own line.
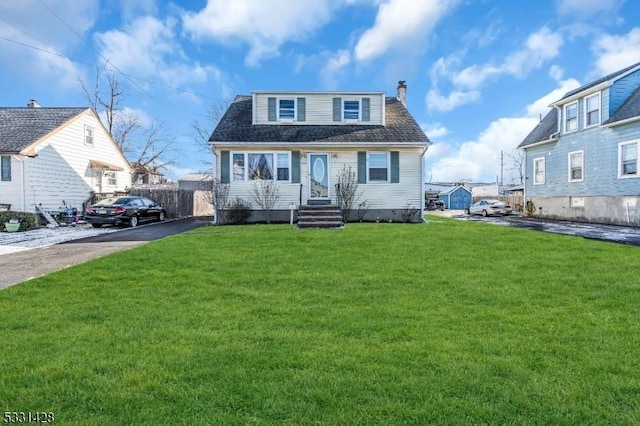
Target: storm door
column 318, row 177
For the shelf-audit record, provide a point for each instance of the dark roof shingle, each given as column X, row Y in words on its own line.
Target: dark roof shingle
column 236, row 126
column 20, row 127
column 600, row 80
column 543, row 131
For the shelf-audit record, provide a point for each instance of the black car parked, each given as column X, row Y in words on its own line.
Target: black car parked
column 126, row 210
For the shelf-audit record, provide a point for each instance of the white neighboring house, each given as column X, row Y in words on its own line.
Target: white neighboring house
column 302, row 140
column 51, row 155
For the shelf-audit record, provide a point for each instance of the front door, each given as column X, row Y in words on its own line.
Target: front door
column 319, row 177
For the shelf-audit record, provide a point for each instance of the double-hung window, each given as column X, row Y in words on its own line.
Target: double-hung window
column 238, row 168
column 5, row 168
column 111, row 178
column 286, row 109
column 576, row 166
column 260, row 166
column 628, row 159
column 88, row 135
column 351, row 109
column 378, row 167
column 538, row 171
column 571, row 117
column 592, row 110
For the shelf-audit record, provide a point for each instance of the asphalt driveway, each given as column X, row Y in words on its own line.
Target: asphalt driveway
column 595, row 231
column 24, row 265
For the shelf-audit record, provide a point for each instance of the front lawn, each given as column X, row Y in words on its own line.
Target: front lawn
column 448, row 322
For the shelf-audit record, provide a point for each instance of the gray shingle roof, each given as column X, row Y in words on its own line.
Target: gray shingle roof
column 629, row 109
column 543, row 131
column 20, row 127
column 601, row 80
column 235, row 126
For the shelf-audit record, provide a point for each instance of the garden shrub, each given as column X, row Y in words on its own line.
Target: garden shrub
column 238, row 212
column 27, row 220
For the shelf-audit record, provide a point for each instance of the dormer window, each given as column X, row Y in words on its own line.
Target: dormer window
column 571, row 117
column 351, row 110
column 286, row 109
column 592, row 110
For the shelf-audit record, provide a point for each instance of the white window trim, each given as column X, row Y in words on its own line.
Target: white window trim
column 351, row 120
column 581, row 152
column 93, row 135
column 566, row 122
column 586, row 112
column 620, row 145
column 245, row 155
column 232, row 176
column 295, row 109
column 388, row 154
column 111, row 178
column 544, row 169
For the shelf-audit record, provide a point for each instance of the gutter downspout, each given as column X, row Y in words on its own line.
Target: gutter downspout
column 422, row 189
column 213, row 182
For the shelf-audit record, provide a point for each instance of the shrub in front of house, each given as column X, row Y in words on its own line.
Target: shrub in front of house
column 237, row 212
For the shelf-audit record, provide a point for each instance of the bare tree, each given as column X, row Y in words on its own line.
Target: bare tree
column 516, row 165
column 266, row 193
column 150, row 146
column 202, row 131
column 347, row 190
column 219, row 200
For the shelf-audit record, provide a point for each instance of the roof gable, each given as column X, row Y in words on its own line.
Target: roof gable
column 21, row 127
column 236, row 126
column 629, row 109
column 608, row 78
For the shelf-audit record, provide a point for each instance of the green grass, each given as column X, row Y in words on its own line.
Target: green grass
column 448, row 322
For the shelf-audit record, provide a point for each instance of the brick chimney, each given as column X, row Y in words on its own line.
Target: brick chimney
column 402, row 92
column 33, row 104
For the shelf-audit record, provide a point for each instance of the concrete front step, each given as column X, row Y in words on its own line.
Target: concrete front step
column 321, row 224
column 320, row 216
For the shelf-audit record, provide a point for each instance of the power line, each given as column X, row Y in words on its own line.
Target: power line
column 129, row 77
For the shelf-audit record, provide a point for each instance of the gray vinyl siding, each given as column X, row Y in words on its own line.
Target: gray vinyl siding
column 319, row 107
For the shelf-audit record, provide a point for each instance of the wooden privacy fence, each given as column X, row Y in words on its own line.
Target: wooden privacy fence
column 178, row 202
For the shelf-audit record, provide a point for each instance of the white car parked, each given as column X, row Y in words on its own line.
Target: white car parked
column 489, row 208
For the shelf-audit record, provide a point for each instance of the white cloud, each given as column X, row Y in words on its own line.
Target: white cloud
column 437, row 102
column 540, row 46
column 334, row 66
column 556, row 72
column 263, row 25
column 147, row 48
column 581, row 9
column 540, row 107
column 615, row 52
column 479, row 160
column 434, row 131
column 33, row 24
column 401, row 22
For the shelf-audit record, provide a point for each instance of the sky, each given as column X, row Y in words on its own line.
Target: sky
column 479, row 73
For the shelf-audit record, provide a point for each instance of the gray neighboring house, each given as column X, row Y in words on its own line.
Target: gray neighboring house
column 50, row 155
column 302, row 140
column 196, row 182
column 582, row 158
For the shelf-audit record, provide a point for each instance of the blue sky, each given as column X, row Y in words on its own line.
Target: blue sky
column 479, row 72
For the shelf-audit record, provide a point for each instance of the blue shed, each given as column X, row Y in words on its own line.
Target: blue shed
column 456, row 198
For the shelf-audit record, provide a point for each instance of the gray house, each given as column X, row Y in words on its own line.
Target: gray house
column 582, row 158
column 302, row 141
